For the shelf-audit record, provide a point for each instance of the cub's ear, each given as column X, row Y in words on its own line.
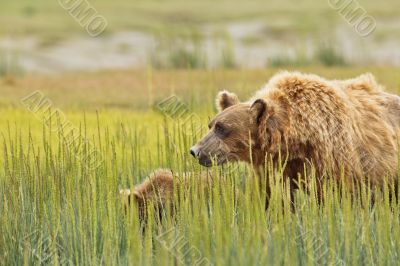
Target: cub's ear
column 137, row 196
column 126, row 198
column 130, row 195
column 226, row 99
column 260, row 111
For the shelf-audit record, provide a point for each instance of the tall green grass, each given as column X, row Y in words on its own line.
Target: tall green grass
column 56, row 210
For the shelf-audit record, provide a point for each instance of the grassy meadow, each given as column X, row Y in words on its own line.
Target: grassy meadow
column 62, row 169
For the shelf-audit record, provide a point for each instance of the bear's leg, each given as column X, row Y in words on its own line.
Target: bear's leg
column 293, row 171
column 263, row 184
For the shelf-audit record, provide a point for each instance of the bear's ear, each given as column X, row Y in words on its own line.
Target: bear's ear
column 126, row 198
column 268, row 124
column 226, row 99
column 137, row 196
column 260, row 111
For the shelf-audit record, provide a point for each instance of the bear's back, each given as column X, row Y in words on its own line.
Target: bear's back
column 341, row 119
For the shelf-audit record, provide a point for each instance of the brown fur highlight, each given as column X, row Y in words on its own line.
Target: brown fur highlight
column 338, row 128
column 226, row 99
column 158, row 190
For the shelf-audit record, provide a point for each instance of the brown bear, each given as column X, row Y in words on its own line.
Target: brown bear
column 334, row 128
column 162, row 190
column 158, row 189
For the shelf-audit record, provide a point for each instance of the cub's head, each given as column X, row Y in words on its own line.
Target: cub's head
column 157, row 190
column 237, row 132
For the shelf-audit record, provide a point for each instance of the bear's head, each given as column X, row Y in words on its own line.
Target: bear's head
column 240, row 131
column 132, row 196
column 157, row 190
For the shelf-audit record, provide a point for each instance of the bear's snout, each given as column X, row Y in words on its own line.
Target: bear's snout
column 199, row 155
column 194, row 151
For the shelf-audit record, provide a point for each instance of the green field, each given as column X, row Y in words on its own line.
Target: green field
column 61, row 205
column 81, row 119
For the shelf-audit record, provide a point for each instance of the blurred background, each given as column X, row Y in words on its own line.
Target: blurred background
column 53, row 37
column 47, row 36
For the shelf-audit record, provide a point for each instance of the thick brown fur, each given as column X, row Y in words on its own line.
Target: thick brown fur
column 159, row 189
column 340, row 128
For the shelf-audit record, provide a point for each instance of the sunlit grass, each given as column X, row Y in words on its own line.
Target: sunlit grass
column 133, row 90
column 56, row 210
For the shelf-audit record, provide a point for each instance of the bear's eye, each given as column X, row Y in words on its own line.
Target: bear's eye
column 219, row 128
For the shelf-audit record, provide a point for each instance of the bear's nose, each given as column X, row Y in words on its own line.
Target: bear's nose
column 194, row 151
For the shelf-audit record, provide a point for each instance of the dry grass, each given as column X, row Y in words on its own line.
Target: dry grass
column 140, row 89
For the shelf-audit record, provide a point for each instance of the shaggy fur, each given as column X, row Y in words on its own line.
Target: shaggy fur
column 338, row 128
column 158, row 190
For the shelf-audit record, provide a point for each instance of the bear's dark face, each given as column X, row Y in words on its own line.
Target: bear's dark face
column 231, row 133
